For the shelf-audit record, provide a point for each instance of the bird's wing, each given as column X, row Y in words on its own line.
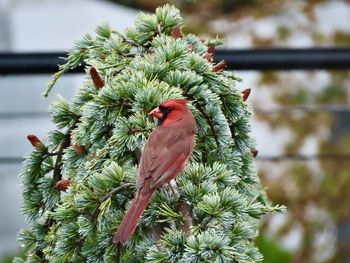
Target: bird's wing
column 164, row 155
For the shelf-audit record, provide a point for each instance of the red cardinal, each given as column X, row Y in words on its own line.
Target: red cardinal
column 165, row 155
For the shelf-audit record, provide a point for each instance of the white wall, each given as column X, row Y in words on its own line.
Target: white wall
column 38, row 25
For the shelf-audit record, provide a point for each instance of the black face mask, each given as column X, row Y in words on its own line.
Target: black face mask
column 165, row 112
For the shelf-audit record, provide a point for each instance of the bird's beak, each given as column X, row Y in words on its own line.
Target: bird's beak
column 156, row 113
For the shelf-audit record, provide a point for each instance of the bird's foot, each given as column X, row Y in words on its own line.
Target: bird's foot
column 173, row 187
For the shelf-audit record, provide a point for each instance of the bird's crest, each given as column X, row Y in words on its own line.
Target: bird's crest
column 175, row 102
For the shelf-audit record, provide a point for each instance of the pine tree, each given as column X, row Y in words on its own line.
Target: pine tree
column 79, row 181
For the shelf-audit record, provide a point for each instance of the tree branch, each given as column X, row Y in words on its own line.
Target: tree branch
column 186, row 211
column 65, row 143
column 159, row 29
column 58, row 165
column 205, row 222
column 210, row 124
column 205, row 115
column 109, row 195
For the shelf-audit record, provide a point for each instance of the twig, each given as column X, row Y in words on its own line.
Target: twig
column 116, row 191
column 50, row 154
column 199, row 107
column 65, row 143
column 108, row 132
column 109, row 195
column 159, row 29
column 188, row 218
column 232, row 130
column 58, row 164
column 204, row 151
column 135, row 130
column 205, row 222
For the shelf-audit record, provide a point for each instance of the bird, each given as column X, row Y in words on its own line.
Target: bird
column 165, row 154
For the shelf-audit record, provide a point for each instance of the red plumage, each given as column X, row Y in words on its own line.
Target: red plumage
column 165, row 155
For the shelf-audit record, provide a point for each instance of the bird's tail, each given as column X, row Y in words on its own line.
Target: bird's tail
column 132, row 217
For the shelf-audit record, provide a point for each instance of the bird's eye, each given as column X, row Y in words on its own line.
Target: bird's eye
column 165, row 109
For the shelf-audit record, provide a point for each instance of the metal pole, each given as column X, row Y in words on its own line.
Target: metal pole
column 286, row 59
column 237, row 59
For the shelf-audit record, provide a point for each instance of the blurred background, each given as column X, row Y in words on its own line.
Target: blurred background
column 301, row 123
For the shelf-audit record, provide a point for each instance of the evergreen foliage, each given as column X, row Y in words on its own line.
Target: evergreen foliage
column 97, row 145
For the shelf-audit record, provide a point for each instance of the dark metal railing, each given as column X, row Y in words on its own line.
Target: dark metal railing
column 236, row 59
